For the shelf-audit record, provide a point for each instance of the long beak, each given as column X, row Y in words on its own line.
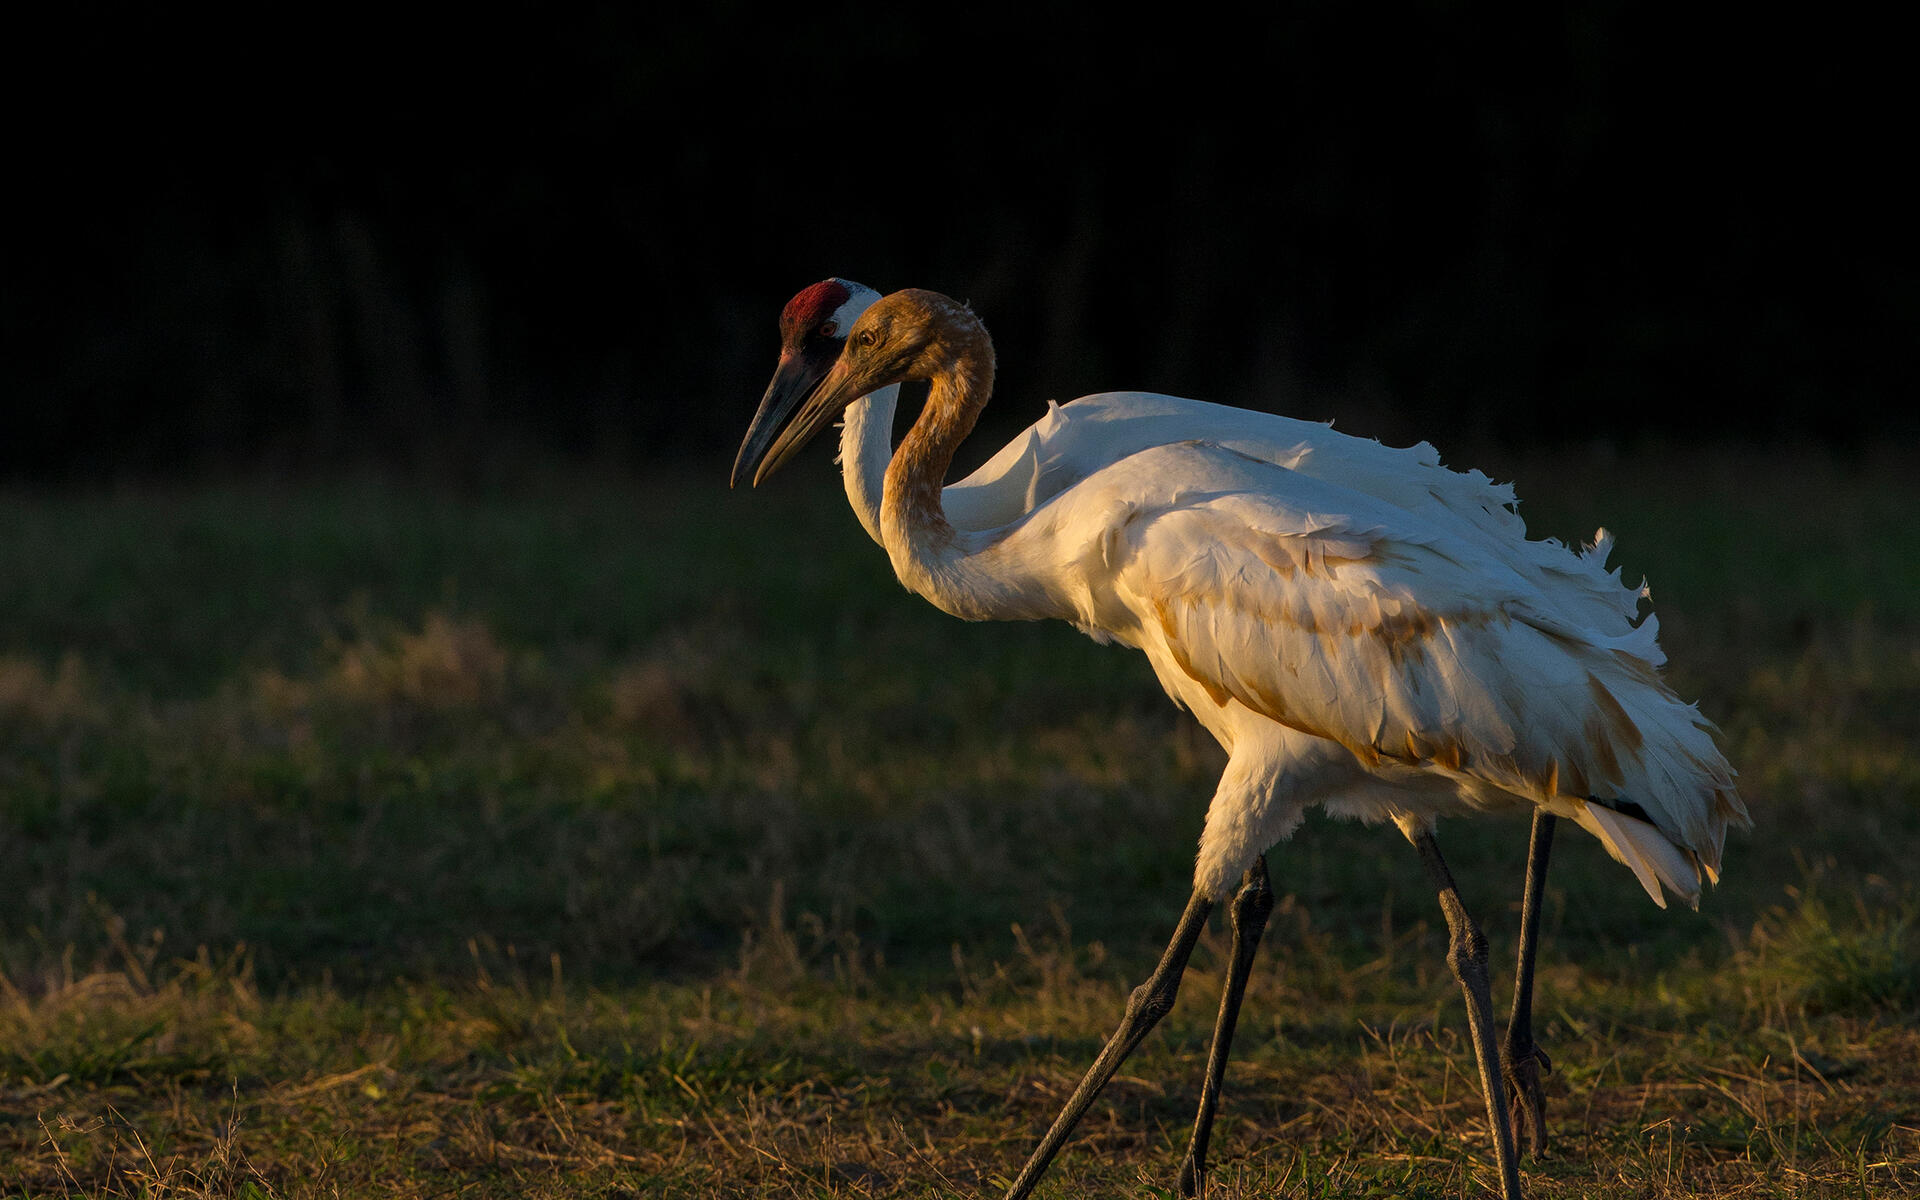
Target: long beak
column 792, row 380
column 827, row 401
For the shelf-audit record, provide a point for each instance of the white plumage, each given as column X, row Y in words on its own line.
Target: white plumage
column 1444, row 662
column 1359, row 627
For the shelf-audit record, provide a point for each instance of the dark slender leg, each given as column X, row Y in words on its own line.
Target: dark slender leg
column 1148, row 1003
column 1467, row 955
column 1522, row 1062
column 1251, row 907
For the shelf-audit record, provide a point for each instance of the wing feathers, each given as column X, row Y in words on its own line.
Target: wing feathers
column 1335, row 615
column 1652, row 857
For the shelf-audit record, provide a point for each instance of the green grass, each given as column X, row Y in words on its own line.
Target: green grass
column 637, row 838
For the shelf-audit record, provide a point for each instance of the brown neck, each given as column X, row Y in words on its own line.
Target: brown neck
column 960, row 388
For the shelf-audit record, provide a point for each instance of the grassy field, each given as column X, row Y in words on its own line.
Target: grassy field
column 631, row 837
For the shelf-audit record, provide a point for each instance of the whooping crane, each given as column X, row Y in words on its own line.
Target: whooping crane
column 1076, row 439
column 1376, row 659
column 1079, row 438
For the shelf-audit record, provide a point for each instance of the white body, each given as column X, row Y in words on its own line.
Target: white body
column 1357, row 625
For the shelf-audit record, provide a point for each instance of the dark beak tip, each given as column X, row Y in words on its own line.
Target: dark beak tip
column 743, row 473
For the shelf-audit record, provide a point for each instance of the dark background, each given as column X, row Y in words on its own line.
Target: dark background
column 321, row 237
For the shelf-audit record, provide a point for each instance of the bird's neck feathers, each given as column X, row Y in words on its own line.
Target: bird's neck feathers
column 928, row 556
column 961, row 382
column 866, row 446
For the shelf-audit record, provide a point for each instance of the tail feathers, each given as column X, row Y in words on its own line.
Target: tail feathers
column 1653, row 859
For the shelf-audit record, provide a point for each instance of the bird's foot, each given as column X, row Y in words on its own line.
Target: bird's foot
column 1523, row 1065
column 1190, row 1176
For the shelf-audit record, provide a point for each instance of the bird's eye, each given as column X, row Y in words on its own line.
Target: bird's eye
column 828, row 328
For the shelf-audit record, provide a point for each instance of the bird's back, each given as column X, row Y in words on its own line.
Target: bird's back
column 1418, row 640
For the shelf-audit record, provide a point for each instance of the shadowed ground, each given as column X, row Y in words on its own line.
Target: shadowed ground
column 616, row 838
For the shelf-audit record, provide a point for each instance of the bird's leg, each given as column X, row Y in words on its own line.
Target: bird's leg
column 1522, row 1062
column 1467, row 955
column 1145, row 1006
column 1251, row 907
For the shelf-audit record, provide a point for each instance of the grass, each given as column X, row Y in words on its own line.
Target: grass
column 631, row 837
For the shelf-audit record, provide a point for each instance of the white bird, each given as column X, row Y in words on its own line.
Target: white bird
column 1387, row 661
column 1079, row 438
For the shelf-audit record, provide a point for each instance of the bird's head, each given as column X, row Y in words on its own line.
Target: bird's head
column 813, row 327
column 910, row 335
